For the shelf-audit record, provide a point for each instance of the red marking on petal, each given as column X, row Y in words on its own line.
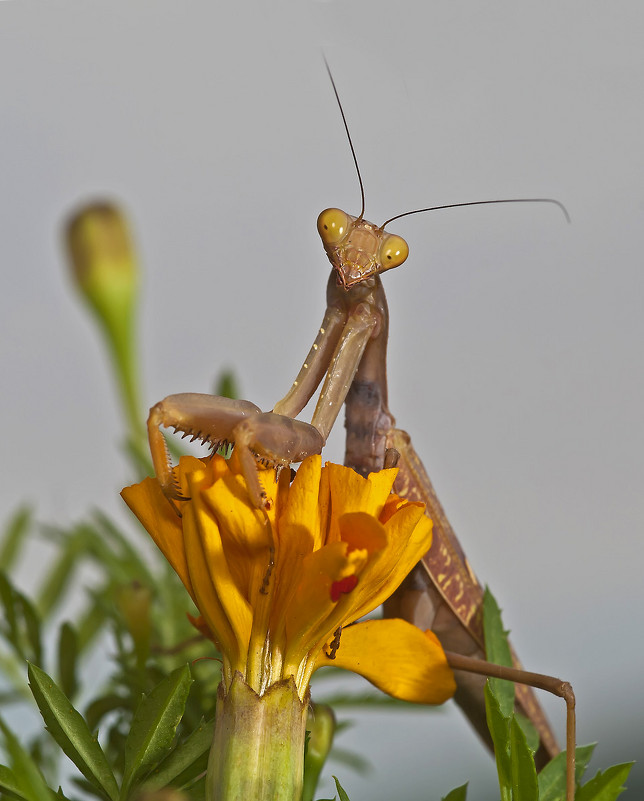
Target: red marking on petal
column 342, row 587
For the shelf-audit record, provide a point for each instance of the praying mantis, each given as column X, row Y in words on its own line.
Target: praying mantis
column 348, row 357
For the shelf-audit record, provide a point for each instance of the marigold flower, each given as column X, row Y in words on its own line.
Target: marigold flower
column 279, row 591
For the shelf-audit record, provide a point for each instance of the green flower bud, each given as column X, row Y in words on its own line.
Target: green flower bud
column 105, row 270
column 133, row 602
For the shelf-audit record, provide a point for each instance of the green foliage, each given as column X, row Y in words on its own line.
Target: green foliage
column 154, row 725
column 457, row 794
column 23, row 779
column 71, row 732
column 514, row 748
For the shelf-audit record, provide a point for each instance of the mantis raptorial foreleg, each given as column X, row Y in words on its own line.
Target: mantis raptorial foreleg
column 219, row 421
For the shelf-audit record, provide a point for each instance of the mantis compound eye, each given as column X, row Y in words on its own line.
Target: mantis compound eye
column 393, row 251
column 332, row 226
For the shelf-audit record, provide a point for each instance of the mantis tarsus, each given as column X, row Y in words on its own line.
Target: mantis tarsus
column 349, row 353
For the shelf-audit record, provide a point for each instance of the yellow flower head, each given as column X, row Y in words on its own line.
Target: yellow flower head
column 277, row 590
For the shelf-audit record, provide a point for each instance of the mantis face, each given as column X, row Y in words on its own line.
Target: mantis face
column 358, row 249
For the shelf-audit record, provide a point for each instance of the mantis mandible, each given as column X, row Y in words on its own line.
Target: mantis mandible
column 349, row 353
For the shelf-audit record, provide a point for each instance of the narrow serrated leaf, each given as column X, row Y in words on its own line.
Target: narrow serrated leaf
column 500, row 732
column 524, row 773
column 14, row 535
column 185, row 762
column 71, row 732
column 154, row 726
column 552, row 779
column 67, row 656
column 497, row 650
column 457, row 794
column 24, row 772
column 606, row 786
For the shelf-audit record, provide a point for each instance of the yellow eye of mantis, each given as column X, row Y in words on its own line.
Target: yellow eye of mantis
column 332, row 226
column 393, row 251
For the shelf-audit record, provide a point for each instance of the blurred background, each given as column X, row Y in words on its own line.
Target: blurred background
column 515, row 356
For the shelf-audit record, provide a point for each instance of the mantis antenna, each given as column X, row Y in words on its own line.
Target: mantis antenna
column 431, row 208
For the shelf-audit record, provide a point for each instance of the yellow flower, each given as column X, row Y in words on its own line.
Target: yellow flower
column 279, row 591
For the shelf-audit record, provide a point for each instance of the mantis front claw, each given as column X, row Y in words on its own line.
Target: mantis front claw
column 269, row 437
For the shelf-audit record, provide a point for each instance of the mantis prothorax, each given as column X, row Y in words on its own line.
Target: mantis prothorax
column 349, row 353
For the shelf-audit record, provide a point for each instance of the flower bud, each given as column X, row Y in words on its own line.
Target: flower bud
column 105, row 270
column 133, row 602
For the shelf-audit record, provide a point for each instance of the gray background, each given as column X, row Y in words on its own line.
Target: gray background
column 515, row 356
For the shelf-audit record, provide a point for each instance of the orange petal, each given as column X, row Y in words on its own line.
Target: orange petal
column 161, row 522
column 398, row 658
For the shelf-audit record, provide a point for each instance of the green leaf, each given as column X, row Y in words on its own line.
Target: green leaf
column 497, row 650
column 9, row 784
column 529, row 731
column 154, row 726
column 341, row 792
column 186, row 761
column 457, row 794
column 32, row 625
column 605, row 786
column 71, row 732
column 17, row 528
column 552, row 779
column 524, row 773
column 90, row 624
column 24, row 779
column 129, row 556
column 499, row 730
column 22, row 622
column 58, row 580
column 226, row 384
column 102, row 706
column 8, row 600
column 67, row 656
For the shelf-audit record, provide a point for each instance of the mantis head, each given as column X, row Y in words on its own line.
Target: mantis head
column 358, row 249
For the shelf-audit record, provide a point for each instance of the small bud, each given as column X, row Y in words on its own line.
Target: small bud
column 133, row 601
column 105, row 270
column 102, row 257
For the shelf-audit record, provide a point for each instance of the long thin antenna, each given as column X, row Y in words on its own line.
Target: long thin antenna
column 483, row 203
column 346, row 128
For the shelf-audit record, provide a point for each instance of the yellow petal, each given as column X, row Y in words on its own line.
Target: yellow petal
column 161, row 521
column 221, row 601
column 244, row 531
column 206, row 599
column 351, row 492
column 398, row 658
column 409, row 535
column 302, row 508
